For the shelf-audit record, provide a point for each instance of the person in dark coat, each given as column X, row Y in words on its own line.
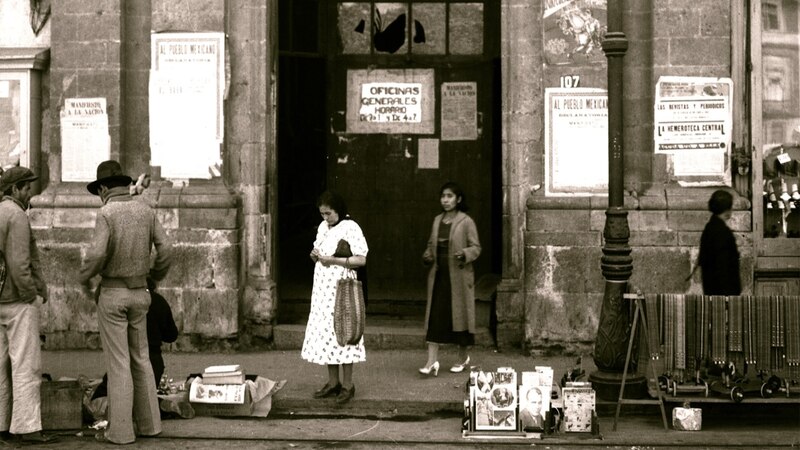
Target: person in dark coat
column 160, row 328
column 719, row 256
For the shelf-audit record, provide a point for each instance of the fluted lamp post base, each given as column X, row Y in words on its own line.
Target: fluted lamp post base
column 606, row 385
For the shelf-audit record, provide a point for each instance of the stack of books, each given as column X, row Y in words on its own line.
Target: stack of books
column 230, row 374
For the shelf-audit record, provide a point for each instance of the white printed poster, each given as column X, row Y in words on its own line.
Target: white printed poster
column 693, row 121
column 187, row 86
column 459, row 111
column 390, row 101
column 85, row 141
column 693, row 114
column 576, row 141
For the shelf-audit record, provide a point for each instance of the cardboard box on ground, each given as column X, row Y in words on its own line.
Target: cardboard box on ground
column 252, row 398
column 61, row 405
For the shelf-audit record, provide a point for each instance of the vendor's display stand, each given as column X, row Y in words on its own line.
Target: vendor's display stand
column 723, row 349
column 638, row 314
column 499, row 408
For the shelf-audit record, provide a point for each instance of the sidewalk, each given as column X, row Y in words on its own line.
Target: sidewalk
column 393, row 403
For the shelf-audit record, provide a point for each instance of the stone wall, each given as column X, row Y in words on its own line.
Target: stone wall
column 564, row 289
column 202, row 286
column 563, row 236
column 101, row 48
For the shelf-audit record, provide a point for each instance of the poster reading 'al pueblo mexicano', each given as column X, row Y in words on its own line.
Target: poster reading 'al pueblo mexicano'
column 576, row 141
column 693, row 122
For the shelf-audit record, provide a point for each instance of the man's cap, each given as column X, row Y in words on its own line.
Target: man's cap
column 15, row 175
column 108, row 171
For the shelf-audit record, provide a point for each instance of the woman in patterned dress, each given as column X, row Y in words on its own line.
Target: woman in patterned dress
column 452, row 247
column 320, row 346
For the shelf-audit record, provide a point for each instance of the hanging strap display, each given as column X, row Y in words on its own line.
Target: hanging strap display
column 691, row 334
column 680, row 334
column 669, row 333
column 764, row 332
column 653, row 337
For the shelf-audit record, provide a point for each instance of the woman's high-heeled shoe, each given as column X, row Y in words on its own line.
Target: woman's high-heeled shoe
column 433, row 369
column 458, row 368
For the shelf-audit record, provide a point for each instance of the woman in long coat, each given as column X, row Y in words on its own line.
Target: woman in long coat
column 450, row 312
column 719, row 255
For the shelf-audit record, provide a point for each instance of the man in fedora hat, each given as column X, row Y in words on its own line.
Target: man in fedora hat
column 20, row 297
column 125, row 233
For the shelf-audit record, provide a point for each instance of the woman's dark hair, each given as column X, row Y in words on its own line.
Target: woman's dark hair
column 720, row 202
column 453, row 186
column 335, row 202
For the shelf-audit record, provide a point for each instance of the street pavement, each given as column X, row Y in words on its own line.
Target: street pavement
column 395, row 407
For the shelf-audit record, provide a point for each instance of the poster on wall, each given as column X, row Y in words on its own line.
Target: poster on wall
column 576, row 141
column 573, row 31
column 187, row 86
column 390, row 101
column 85, row 141
column 459, row 111
column 693, row 121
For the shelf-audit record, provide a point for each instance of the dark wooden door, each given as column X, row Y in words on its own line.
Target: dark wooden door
column 395, row 201
column 378, row 173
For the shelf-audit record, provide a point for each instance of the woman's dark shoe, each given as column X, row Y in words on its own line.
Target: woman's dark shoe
column 346, row 394
column 328, row 391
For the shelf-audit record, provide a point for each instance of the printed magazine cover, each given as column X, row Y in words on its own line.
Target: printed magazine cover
column 534, row 398
column 494, row 399
column 216, row 393
column 578, row 408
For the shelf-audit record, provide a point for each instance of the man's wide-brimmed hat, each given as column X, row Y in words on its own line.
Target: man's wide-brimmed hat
column 15, row 175
column 108, row 172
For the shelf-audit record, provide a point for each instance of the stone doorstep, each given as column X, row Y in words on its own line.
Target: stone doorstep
column 384, row 337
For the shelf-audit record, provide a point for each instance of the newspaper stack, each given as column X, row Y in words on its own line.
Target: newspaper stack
column 229, row 374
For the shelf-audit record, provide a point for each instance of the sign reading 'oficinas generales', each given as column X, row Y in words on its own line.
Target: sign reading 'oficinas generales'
column 390, row 101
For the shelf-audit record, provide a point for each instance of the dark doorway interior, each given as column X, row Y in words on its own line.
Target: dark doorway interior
column 392, row 199
column 301, row 143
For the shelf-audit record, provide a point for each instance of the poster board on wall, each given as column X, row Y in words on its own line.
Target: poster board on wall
column 576, row 141
column 85, row 141
column 390, row 101
column 187, row 86
column 693, row 122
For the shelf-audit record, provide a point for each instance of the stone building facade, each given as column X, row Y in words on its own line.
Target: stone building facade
column 224, row 286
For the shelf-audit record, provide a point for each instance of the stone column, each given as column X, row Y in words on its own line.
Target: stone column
column 252, row 32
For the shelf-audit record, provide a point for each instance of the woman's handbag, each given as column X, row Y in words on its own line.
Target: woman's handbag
column 349, row 312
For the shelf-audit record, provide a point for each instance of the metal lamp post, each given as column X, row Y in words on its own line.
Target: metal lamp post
column 616, row 262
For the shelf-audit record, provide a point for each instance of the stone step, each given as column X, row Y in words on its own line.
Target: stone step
column 296, row 310
column 378, row 334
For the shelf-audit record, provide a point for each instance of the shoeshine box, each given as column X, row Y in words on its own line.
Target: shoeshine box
column 61, row 405
column 220, row 399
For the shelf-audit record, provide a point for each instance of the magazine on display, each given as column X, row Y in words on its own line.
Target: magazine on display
column 534, row 398
column 493, row 399
column 579, row 403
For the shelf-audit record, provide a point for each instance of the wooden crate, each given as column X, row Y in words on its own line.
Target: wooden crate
column 61, row 405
